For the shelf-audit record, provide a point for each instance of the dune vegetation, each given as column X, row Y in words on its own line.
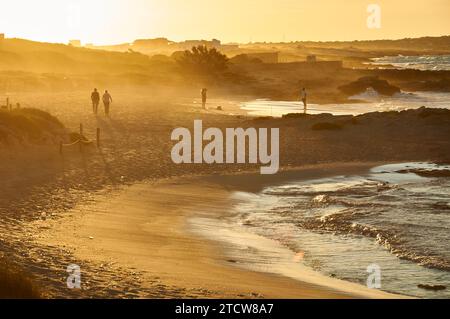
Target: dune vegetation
column 29, row 125
column 16, row 285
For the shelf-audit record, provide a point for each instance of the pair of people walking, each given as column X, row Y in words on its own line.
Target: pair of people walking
column 106, row 98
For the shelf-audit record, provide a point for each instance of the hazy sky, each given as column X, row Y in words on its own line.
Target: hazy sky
column 115, row 21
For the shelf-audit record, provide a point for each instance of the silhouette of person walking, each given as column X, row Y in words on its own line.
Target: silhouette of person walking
column 95, row 97
column 107, row 100
column 303, row 97
column 204, row 97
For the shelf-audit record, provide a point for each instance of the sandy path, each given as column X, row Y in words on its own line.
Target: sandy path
column 143, row 227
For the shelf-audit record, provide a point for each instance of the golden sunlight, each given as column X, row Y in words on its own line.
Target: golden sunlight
column 115, row 21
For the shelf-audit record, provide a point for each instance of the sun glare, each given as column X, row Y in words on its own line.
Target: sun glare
column 116, row 21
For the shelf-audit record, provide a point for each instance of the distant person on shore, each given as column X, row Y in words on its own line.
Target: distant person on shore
column 107, row 100
column 204, row 98
column 303, row 97
column 95, row 97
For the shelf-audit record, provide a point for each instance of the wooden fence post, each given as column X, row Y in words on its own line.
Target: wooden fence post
column 80, row 142
column 98, row 137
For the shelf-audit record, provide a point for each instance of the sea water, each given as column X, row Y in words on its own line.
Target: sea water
column 395, row 216
column 372, row 103
column 424, row 63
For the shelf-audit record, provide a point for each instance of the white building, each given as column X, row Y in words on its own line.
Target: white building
column 75, row 43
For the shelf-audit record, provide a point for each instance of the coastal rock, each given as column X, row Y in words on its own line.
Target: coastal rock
column 432, row 287
column 440, row 85
column 362, row 84
column 426, row 172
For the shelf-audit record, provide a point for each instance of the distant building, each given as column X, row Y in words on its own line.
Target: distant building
column 189, row 44
column 152, row 43
column 2, row 36
column 75, row 43
column 265, row 57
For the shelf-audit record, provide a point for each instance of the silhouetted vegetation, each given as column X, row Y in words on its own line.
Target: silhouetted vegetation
column 362, row 84
column 28, row 124
column 203, row 61
column 15, row 285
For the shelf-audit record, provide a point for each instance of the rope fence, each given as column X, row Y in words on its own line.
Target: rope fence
column 81, row 141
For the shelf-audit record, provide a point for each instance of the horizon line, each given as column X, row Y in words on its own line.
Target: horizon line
column 231, row 42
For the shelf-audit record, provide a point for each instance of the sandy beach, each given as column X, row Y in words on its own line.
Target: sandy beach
column 144, row 228
column 122, row 212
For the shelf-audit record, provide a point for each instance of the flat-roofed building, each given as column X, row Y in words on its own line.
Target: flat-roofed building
column 75, row 43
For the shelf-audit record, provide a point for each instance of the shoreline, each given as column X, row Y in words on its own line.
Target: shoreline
column 134, row 150
column 355, row 106
column 144, row 228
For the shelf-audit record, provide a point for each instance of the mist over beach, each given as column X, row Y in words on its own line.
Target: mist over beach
column 191, row 150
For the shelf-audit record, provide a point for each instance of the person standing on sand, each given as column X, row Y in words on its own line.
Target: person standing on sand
column 107, row 100
column 303, row 97
column 204, row 97
column 95, row 97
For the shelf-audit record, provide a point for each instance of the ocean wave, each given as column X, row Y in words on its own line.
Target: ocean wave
column 431, row 62
column 400, row 211
column 343, row 223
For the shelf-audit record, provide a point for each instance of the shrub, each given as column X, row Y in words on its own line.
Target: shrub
column 15, row 285
column 39, row 114
column 204, row 61
column 28, row 123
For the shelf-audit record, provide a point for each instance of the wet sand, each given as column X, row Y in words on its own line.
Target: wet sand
column 145, row 227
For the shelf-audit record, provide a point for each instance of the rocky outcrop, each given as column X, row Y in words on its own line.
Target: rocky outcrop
column 29, row 125
column 432, row 287
column 362, row 84
column 442, row 85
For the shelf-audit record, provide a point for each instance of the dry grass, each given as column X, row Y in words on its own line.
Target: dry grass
column 28, row 124
column 16, row 285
